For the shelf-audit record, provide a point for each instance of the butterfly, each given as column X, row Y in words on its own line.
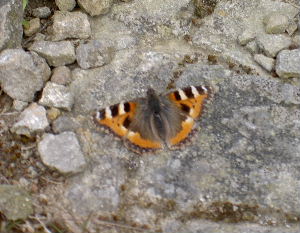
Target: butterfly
column 156, row 121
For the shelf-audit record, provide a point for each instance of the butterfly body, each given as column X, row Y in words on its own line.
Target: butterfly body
column 156, row 121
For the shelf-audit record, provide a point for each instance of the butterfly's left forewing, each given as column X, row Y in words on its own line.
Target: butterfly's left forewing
column 116, row 118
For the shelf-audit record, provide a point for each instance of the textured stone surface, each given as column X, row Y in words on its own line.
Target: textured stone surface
column 276, row 23
column 272, row 44
column 61, row 75
column 19, row 105
column 288, row 64
column 266, row 62
column 31, row 121
column 70, row 25
column 65, row 5
column 15, row 202
column 41, row 12
column 246, row 37
column 56, row 53
column 93, row 54
column 55, row 95
column 96, row 7
column 34, row 27
column 11, row 31
column 22, row 73
column 62, row 152
column 65, row 123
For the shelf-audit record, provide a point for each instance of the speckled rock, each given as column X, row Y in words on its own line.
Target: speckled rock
column 93, row 54
column 15, row 202
column 11, row 31
column 58, row 96
column 65, row 123
column 62, row 152
column 41, row 12
column 204, row 7
column 65, row 5
column 266, row 62
column 70, row 25
column 276, row 23
column 56, row 53
column 31, row 121
column 22, row 73
column 252, row 47
column 61, row 75
column 34, row 27
column 96, row 7
column 19, row 105
column 246, row 37
column 288, row 64
column 272, row 44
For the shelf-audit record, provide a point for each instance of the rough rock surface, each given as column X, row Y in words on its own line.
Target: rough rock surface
column 62, row 152
column 34, row 26
column 266, row 62
column 96, row 7
column 93, row 54
column 58, row 96
column 32, row 120
column 65, row 5
column 56, row 53
column 276, row 23
column 61, row 75
column 273, row 44
column 70, row 25
column 15, row 202
column 288, row 64
column 11, row 14
column 22, row 73
column 41, row 12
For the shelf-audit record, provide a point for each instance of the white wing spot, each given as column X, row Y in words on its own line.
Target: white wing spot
column 194, row 91
column 182, row 94
column 108, row 113
column 121, row 108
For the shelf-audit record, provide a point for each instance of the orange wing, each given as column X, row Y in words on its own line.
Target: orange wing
column 191, row 101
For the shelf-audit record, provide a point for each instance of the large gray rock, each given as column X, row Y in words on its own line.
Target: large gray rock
column 15, row 202
column 22, row 73
column 266, row 62
column 58, row 96
column 288, row 64
column 31, row 121
column 96, row 7
column 93, row 54
column 56, row 53
column 41, row 12
column 273, row 44
column 65, row 5
column 276, row 23
column 11, row 31
column 70, row 25
column 62, row 152
column 61, row 75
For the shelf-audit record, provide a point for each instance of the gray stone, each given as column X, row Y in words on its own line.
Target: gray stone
column 93, row 54
column 70, row 25
column 61, row 75
column 58, row 96
column 65, row 123
column 272, row 44
column 246, row 37
column 252, row 47
column 15, row 202
column 288, row 64
column 276, row 23
column 11, row 31
column 65, row 5
column 292, row 28
column 266, row 62
column 62, row 152
column 39, row 37
column 31, row 121
column 296, row 40
column 22, row 73
column 34, row 27
column 56, row 53
column 41, row 12
column 97, row 7
column 19, row 105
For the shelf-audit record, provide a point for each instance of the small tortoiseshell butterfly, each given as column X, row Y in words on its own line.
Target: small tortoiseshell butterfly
column 151, row 123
